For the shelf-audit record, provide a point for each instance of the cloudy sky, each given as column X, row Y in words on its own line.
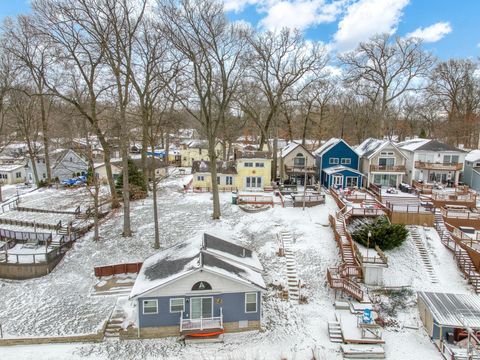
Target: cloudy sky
column 449, row 28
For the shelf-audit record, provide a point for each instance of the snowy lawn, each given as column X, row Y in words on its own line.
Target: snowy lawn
column 61, row 304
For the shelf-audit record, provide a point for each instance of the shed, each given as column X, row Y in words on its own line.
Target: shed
column 444, row 313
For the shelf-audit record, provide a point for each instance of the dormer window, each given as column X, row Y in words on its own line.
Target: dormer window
column 201, row 285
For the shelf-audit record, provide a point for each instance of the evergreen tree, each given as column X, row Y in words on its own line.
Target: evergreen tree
column 423, row 133
column 137, row 182
column 384, row 234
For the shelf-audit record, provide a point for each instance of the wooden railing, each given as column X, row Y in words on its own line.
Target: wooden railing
column 37, row 257
column 108, row 270
column 254, row 199
column 25, row 236
column 459, row 214
column 27, row 209
column 344, row 284
column 388, row 168
column 215, row 322
column 300, row 169
column 410, row 208
column 446, row 196
column 438, row 166
column 376, row 189
column 11, row 205
column 221, row 188
column 381, row 259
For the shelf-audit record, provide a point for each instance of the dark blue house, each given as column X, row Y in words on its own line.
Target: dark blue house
column 338, row 165
column 204, row 286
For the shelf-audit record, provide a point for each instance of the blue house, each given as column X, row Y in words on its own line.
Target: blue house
column 204, row 286
column 338, row 165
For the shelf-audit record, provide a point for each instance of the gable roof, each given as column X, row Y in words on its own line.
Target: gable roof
column 372, row 146
column 292, row 146
column 223, row 167
column 426, row 145
column 327, row 145
column 473, row 155
column 191, row 256
column 252, row 154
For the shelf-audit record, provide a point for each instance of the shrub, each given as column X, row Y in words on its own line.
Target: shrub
column 384, row 234
column 136, row 181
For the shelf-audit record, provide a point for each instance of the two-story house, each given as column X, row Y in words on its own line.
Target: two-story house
column 296, row 163
column 196, row 150
column 432, row 161
column 382, row 162
column 226, row 176
column 254, row 169
column 64, row 164
column 338, row 165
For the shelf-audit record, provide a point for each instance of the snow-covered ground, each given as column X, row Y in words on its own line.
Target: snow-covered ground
column 61, row 304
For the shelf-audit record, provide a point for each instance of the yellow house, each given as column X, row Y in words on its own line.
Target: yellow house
column 197, row 150
column 227, row 178
column 254, row 169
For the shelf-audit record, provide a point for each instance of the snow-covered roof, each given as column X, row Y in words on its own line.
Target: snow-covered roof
column 10, row 167
column 290, row 147
column 473, row 156
column 455, row 310
column 372, row 146
column 201, row 252
column 369, row 147
column 426, row 145
column 327, row 145
column 412, row 144
column 335, row 169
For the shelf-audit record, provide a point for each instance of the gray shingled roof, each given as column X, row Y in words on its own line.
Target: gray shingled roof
column 252, row 154
column 213, row 242
column 435, row 145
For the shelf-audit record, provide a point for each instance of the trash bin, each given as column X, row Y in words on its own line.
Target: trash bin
column 234, row 198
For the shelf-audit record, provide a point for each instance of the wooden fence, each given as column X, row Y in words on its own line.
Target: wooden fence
column 25, row 236
column 108, row 270
column 27, row 209
column 255, row 199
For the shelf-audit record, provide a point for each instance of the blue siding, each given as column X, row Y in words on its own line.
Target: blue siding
column 340, row 150
column 328, row 179
column 232, row 304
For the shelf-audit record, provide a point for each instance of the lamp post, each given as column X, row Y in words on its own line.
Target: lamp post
column 369, row 235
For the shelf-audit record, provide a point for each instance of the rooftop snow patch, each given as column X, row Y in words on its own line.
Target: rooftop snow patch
column 369, row 147
column 473, row 156
column 335, row 169
column 413, row 144
column 327, row 145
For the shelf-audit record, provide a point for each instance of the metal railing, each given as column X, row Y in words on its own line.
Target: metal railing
column 215, row 322
column 300, row 169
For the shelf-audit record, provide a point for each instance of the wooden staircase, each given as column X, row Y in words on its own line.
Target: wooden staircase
column 335, row 332
column 423, row 252
column 338, row 281
column 293, row 281
column 468, row 268
column 462, row 258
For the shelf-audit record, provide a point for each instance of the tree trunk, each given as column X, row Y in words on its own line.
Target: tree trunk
column 274, row 157
column 45, row 138
column 108, row 169
column 127, row 230
column 213, row 174
column 156, row 244
column 167, row 149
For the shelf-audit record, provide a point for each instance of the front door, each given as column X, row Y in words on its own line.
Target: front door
column 201, row 307
column 337, row 181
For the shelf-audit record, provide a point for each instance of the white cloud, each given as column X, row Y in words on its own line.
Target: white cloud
column 366, row 18
column 238, row 5
column 299, row 14
column 433, row 32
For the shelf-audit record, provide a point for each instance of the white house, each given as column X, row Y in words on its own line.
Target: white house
column 296, row 162
column 382, row 162
column 471, row 171
column 12, row 174
column 64, row 164
column 432, row 161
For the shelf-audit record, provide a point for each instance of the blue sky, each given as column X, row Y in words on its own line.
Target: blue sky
column 450, row 28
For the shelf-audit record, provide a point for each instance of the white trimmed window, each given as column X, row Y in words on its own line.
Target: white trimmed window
column 150, row 307
column 333, row 161
column 229, row 180
column 248, row 164
column 200, row 178
column 346, row 161
column 177, row 305
column 251, row 302
column 259, row 164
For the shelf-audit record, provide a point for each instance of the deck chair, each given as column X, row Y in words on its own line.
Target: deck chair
column 367, row 316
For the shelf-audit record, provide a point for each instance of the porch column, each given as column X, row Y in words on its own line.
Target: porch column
column 457, row 176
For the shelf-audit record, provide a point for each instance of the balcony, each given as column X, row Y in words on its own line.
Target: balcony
column 388, row 168
column 300, row 169
column 438, row 166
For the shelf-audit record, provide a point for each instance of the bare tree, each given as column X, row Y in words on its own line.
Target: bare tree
column 382, row 69
column 213, row 48
column 35, row 59
column 279, row 61
column 79, row 76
